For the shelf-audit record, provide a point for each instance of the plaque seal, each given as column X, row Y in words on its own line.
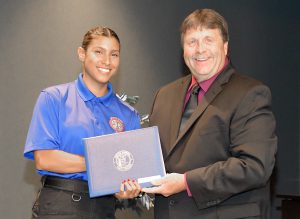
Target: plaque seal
column 123, row 160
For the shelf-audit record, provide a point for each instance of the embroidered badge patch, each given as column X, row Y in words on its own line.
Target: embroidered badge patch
column 116, row 124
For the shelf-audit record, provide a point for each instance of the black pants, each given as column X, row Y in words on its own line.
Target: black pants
column 57, row 203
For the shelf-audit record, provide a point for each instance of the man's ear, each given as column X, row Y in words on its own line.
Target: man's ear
column 226, row 47
column 81, row 54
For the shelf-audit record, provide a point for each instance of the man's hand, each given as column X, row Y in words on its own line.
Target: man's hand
column 170, row 184
column 128, row 189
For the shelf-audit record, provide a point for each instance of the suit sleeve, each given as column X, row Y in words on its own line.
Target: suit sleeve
column 251, row 153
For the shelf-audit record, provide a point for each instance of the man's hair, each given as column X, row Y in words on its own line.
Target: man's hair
column 205, row 18
column 96, row 32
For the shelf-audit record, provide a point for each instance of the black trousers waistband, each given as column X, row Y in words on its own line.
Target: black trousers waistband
column 71, row 185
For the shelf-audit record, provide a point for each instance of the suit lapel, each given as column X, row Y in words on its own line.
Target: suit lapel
column 213, row 91
column 178, row 102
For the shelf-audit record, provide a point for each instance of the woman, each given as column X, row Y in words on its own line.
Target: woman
column 63, row 115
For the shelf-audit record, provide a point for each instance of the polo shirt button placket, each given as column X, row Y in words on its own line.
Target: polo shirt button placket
column 96, row 112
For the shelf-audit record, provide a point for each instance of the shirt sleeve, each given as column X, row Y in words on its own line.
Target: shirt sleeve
column 187, row 187
column 43, row 131
column 136, row 123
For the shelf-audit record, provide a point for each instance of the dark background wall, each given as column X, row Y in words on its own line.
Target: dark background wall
column 38, row 43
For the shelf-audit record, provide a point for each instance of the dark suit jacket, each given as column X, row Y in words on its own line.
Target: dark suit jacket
column 227, row 148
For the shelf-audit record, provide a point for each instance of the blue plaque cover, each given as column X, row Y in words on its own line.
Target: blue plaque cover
column 112, row 158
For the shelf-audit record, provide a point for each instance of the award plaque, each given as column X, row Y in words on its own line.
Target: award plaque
column 112, row 158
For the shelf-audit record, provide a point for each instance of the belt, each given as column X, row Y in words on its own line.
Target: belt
column 71, row 185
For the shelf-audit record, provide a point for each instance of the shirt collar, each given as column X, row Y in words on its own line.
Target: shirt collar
column 207, row 83
column 87, row 95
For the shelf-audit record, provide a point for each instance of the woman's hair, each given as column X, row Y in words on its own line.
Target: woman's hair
column 205, row 18
column 96, row 32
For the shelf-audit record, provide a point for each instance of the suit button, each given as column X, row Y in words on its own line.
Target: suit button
column 172, row 202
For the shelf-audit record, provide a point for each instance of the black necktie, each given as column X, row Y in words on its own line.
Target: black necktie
column 190, row 106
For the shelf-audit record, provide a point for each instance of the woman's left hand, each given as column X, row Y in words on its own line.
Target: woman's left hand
column 129, row 189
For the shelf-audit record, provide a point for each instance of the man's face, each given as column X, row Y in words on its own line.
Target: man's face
column 204, row 52
column 100, row 61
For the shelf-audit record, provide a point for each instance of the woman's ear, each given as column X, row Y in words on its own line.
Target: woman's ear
column 81, row 54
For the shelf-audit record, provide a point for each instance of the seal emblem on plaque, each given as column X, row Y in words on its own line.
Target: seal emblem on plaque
column 123, row 160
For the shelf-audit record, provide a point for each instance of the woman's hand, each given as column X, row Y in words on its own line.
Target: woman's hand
column 129, row 189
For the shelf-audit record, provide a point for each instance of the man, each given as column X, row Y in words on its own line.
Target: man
column 220, row 158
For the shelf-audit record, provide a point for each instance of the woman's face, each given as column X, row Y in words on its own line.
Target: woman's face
column 100, row 61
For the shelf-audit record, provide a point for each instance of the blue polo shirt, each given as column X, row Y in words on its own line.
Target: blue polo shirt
column 64, row 114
